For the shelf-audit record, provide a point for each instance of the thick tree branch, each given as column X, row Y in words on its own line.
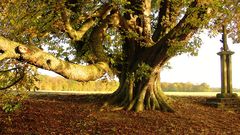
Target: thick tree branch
column 96, row 41
column 137, row 21
column 164, row 5
column 101, row 13
column 167, row 18
column 37, row 57
column 147, row 18
column 99, row 33
column 182, row 32
column 188, row 25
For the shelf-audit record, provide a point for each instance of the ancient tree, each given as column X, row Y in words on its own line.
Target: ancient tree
column 130, row 39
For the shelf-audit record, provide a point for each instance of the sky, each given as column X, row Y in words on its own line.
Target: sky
column 204, row 68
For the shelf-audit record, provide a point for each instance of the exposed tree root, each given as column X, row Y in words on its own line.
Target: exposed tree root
column 147, row 96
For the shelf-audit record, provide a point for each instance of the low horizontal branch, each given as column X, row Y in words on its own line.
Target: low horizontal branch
column 37, row 57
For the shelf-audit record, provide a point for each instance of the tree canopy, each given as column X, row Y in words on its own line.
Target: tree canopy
column 133, row 39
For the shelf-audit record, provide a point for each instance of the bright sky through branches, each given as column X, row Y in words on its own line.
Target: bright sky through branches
column 205, row 67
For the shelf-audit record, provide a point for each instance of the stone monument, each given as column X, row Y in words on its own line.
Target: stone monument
column 226, row 68
column 226, row 100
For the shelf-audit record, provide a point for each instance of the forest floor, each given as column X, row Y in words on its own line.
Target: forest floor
column 81, row 115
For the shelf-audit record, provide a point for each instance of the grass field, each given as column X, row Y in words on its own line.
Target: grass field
column 203, row 94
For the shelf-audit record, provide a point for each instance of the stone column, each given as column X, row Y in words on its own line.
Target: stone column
column 226, row 73
column 223, row 72
column 229, row 72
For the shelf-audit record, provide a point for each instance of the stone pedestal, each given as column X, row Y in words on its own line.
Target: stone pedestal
column 227, row 103
column 226, row 100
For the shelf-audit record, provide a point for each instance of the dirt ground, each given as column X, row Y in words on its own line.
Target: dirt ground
column 80, row 115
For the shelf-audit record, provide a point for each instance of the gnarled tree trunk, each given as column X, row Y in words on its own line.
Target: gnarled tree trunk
column 142, row 94
column 140, row 79
column 145, row 55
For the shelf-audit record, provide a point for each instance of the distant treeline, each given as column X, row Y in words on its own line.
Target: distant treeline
column 185, row 87
column 61, row 84
column 189, row 87
column 219, row 89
